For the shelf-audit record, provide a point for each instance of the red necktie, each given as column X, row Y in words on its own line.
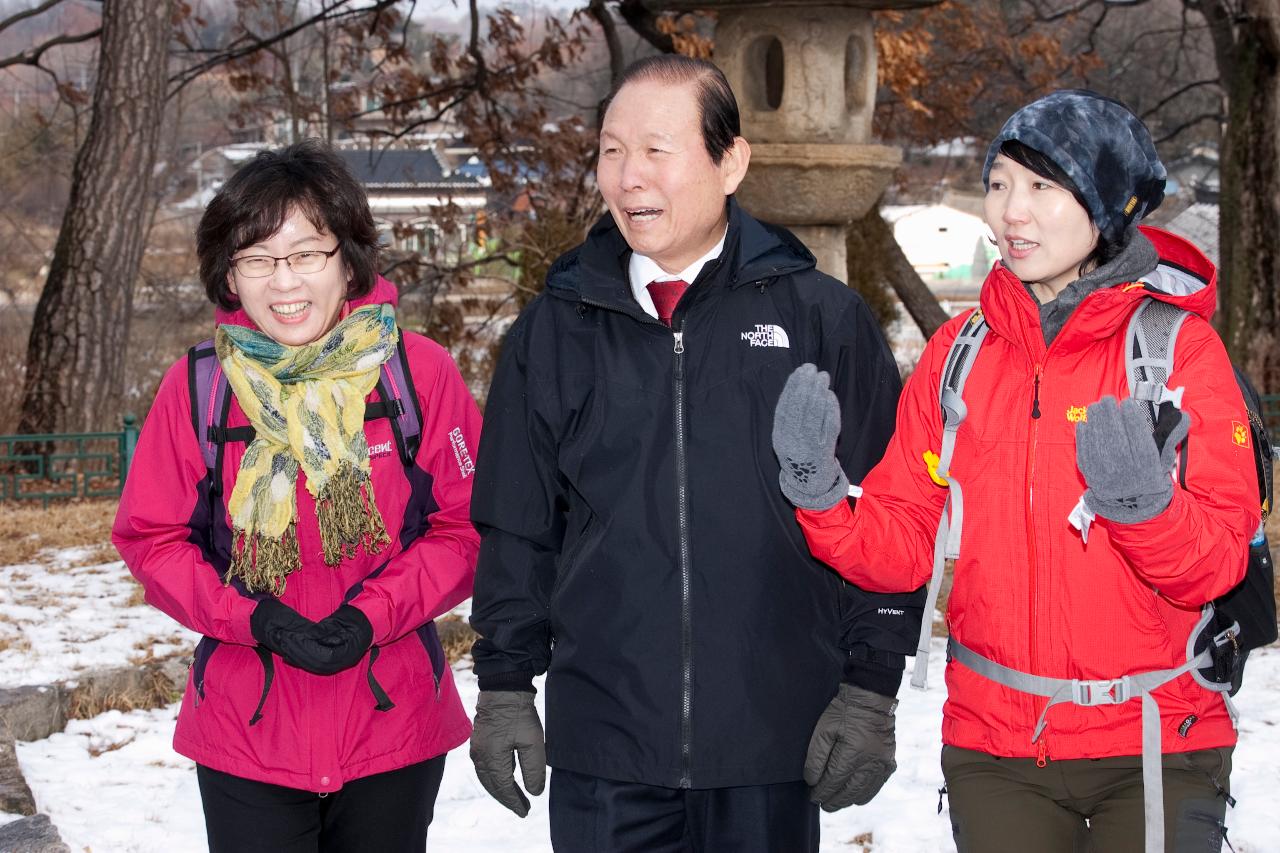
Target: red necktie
column 666, row 294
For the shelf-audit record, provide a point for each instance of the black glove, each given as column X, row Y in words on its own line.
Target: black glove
column 274, row 624
column 851, row 751
column 324, row 648
column 333, row 644
column 507, row 725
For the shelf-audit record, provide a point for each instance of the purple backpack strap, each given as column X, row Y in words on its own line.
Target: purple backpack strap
column 402, row 397
column 210, row 398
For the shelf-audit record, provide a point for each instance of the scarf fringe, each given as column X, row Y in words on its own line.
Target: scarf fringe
column 262, row 562
column 348, row 516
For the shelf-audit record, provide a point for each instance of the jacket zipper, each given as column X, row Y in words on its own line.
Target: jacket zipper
column 1032, row 439
column 682, row 509
column 686, row 617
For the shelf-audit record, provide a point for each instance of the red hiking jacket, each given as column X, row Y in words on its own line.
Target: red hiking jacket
column 1027, row 591
column 315, row 732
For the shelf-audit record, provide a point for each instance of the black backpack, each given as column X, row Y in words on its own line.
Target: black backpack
column 1245, row 617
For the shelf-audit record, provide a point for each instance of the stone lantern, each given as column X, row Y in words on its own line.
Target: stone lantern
column 804, row 72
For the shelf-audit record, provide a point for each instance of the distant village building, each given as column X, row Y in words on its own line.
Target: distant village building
column 1196, row 175
column 1199, row 224
column 949, row 248
column 404, row 185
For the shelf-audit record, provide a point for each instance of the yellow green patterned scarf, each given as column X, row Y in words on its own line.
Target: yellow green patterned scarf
column 306, row 404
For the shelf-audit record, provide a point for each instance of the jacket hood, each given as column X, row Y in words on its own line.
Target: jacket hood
column 1183, row 276
column 596, row 270
column 383, row 292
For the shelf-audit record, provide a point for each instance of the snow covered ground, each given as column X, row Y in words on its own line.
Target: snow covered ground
column 64, row 614
column 114, row 785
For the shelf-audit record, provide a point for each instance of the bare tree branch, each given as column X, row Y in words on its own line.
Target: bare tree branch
column 31, row 56
column 1177, row 93
column 600, row 12
column 1220, row 17
column 241, row 48
column 27, row 13
column 473, row 45
column 1191, row 122
column 645, row 24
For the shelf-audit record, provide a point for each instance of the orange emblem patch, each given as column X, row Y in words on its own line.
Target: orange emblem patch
column 1077, row 414
column 1239, row 434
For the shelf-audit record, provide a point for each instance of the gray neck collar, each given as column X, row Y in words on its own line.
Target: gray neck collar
column 1136, row 259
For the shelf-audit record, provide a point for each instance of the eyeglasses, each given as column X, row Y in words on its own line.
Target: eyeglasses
column 261, row 266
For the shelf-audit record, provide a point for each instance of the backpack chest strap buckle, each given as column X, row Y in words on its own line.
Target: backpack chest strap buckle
column 1112, row 691
column 1157, row 393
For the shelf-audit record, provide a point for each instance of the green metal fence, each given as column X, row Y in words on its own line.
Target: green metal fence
column 66, row 465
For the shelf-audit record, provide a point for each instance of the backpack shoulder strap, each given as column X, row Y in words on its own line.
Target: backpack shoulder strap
column 1264, row 450
column 1148, row 355
column 395, row 387
column 960, row 359
column 210, row 401
column 946, row 547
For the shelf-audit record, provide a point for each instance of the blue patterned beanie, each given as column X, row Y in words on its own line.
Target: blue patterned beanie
column 1103, row 147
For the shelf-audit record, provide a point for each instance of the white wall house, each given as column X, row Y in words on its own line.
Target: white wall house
column 941, row 242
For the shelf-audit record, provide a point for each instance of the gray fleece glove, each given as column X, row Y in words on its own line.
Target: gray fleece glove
column 851, row 751
column 1125, row 466
column 507, row 724
column 806, row 424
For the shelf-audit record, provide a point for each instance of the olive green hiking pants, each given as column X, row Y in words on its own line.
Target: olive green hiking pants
column 1086, row 805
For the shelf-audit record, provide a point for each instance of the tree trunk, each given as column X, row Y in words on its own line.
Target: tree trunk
column 76, row 352
column 1248, row 301
column 875, row 258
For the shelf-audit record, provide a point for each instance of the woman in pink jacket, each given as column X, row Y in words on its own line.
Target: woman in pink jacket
column 1088, row 541
column 307, row 513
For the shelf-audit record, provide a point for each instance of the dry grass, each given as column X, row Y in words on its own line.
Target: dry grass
column 137, row 595
column 149, row 689
column 19, row 643
column 27, row 528
column 456, row 636
column 95, row 751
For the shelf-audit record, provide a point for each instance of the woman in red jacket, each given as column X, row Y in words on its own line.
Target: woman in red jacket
column 1081, row 561
column 306, row 528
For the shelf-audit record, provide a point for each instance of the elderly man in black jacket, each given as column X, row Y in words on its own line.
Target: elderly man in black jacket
column 708, row 681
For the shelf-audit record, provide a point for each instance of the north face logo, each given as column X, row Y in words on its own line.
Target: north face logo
column 767, row 335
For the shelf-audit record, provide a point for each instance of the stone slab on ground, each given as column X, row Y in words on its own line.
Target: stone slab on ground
column 15, row 796
column 35, row 834
column 32, row 713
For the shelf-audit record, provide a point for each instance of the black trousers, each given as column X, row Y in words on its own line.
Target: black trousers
column 388, row 812
column 594, row 815
column 1083, row 805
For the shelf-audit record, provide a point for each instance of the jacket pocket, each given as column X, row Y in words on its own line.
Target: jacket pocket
column 430, row 638
column 200, row 662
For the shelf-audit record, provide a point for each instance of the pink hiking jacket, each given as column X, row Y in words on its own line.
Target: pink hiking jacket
column 312, row 732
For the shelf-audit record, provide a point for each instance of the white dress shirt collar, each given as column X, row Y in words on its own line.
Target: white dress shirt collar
column 642, row 270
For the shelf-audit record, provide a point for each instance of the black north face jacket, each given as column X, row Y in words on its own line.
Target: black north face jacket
column 634, row 541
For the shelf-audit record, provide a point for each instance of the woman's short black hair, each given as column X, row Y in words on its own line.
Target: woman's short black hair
column 1039, row 163
column 721, row 123
column 257, row 199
